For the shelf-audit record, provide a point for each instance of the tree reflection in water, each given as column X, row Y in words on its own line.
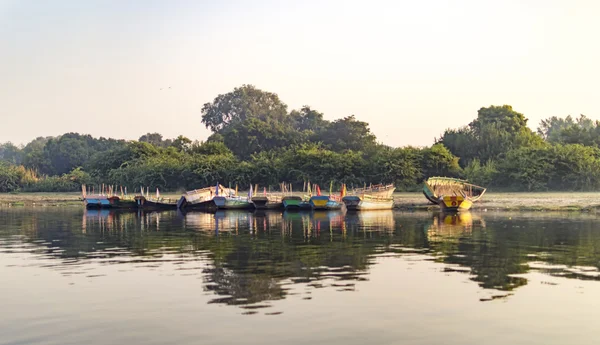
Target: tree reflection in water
column 256, row 257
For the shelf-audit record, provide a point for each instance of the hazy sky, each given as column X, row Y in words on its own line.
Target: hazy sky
column 409, row 68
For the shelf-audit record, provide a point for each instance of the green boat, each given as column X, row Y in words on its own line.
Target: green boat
column 292, row 202
column 233, row 203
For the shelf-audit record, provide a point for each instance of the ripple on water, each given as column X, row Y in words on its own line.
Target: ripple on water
column 121, row 264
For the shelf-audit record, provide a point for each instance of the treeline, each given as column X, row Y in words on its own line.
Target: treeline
column 257, row 140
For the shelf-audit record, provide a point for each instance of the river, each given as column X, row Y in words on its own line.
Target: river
column 71, row 276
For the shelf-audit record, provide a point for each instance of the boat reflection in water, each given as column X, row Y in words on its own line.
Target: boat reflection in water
column 381, row 221
column 447, row 225
column 249, row 259
column 311, row 224
column 232, row 221
column 126, row 220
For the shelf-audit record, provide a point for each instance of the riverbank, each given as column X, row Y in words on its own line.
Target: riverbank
column 549, row 201
column 40, row 199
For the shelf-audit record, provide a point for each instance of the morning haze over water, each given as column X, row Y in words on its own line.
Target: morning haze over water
column 74, row 276
column 122, row 123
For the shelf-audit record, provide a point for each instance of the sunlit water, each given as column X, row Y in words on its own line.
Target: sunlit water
column 68, row 276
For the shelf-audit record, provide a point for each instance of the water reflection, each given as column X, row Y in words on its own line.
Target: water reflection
column 247, row 259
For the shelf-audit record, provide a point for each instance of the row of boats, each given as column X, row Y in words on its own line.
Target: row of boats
column 374, row 197
column 450, row 194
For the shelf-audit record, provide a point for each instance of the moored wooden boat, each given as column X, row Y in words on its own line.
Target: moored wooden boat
column 324, row 202
column 106, row 199
column 96, row 201
column 232, row 202
column 149, row 203
column 202, row 199
column 451, row 194
column 378, row 197
column 103, row 201
column 122, row 203
column 268, row 202
column 295, row 203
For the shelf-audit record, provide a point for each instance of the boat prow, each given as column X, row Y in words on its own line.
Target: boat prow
column 454, row 203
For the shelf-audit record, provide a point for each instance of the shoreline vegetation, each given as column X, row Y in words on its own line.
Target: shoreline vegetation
column 413, row 201
column 256, row 140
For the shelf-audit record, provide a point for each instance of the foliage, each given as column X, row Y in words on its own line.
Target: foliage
column 557, row 167
column 256, row 141
column 9, row 178
column 439, row 161
column 307, row 120
column 253, row 135
column 155, row 139
column 242, row 103
column 481, row 174
column 398, row 165
column 582, row 131
column 10, row 153
column 347, row 134
column 495, row 131
column 18, row 178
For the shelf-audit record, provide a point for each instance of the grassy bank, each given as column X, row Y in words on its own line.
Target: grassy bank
column 550, row 201
column 40, row 199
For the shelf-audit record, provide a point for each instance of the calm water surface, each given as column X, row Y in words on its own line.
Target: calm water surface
column 70, row 276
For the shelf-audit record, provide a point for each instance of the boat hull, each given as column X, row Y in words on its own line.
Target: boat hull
column 226, row 203
column 355, row 203
column 324, row 203
column 125, row 204
column 95, row 203
column 429, row 194
column 295, row 203
column 204, row 205
column 437, row 188
column 146, row 204
column 113, row 202
column 263, row 203
column 454, row 203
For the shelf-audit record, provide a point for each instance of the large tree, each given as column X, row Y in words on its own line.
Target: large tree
column 308, row 119
column 242, row 103
column 496, row 130
column 254, row 135
column 566, row 130
column 10, row 153
column 347, row 134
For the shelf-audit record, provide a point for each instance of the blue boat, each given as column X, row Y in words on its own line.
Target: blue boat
column 96, row 201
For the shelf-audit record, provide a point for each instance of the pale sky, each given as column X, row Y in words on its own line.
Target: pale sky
column 409, row 68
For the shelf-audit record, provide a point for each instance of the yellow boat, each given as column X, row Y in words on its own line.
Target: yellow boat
column 452, row 194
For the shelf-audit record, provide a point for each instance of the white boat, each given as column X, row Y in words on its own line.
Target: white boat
column 378, row 197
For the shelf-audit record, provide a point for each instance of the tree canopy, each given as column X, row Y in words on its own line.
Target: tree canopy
column 496, row 130
column 256, row 140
